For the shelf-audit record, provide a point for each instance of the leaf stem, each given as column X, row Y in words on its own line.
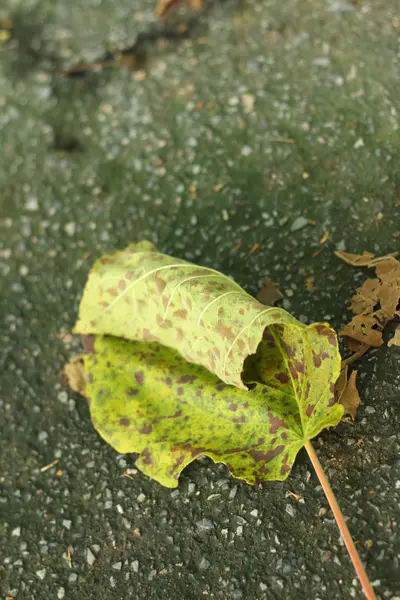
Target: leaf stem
column 362, row 575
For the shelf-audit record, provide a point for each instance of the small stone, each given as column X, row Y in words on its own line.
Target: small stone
column 248, row 103
column 16, row 532
column 67, row 524
column 117, row 566
column 31, row 204
column 254, row 513
column 72, row 578
column 246, row 151
column 239, row 530
column 135, row 566
column 120, row 509
column 41, row 573
column 90, row 557
column 191, row 488
column 70, row 228
column 23, row 270
column 204, row 564
column 141, row 498
column 290, row 510
column 205, row 525
column 232, row 493
column 60, row 593
column 358, row 144
column 263, row 587
column 299, row 223
column 42, row 436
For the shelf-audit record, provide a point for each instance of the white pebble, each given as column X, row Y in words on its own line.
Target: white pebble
column 16, row 532
column 70, row 228
column 41, row 573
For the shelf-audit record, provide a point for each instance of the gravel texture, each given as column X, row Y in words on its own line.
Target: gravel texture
column 242, row 136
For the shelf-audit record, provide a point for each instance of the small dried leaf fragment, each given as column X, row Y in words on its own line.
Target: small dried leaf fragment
column 363, row 260
column 350, row 398
column 166, row 6
column 395, row 341
column 74, row 372
column 365, row 329
column 269, row 293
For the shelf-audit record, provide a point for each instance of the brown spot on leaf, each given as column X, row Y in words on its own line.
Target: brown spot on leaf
column 259, row 455
column 317, row 360
column 282, row 377
column 186, row 379
column 160, row 284
column 233, row 406
column 310, row 409
column 139, row 376
column 88, row 343
column 180, row 391
column 284, row 435
column 181, row 314
column 132, row 392
column 168, row 381
column 275, row 423
column 122, row 285
column 146, row 429
column 113, row 291
column 147, row 460
column 124, row 422
column 327, row 332
column 285, row 468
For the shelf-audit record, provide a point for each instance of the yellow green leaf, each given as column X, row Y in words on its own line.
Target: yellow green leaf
column 140, row 294
column 146, row 398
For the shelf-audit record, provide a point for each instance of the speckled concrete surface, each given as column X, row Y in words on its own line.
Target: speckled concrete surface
column 243, row 135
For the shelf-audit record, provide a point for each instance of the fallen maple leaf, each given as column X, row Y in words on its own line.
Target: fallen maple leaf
column 165, row 399
column 165, row 6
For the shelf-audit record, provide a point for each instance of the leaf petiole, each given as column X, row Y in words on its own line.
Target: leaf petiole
column 348, row 540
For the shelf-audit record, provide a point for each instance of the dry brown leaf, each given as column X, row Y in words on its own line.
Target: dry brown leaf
column 362, row 349
column 364, row 260
column 366, row 297
column 350, row 398
column 376, row 302
column 361, row 328
column 269, row 293
column 75, row 374
column 165, row 6
column 356, row 260
column 395, row 341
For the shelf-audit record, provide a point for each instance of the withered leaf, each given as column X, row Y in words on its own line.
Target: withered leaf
column 395, row 341
column 349, row 397
column 269, row 293
column 376, row 302
column 363, row 260
column 165, row 6
column 365, row 329
column 190, row 327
